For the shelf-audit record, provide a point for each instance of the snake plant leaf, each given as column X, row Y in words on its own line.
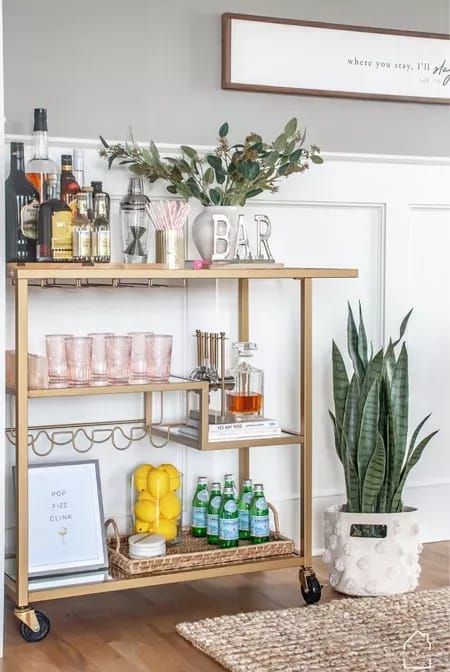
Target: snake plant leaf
column 414, row 458
column 362, row 338
column 352, row 484
column 352, row 343
column 374, row 477
column 389, row 360
column 337, row 437
column 400, row 402
column 368, row 432
column 403, row 326
column 412, row 443
column 373, row 372
column 340, row 383
column 351, row 420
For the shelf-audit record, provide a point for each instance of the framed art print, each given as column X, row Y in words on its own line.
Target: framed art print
column 326, row 59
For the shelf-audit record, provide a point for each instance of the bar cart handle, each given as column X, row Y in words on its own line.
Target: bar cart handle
column 113, row 524
column 276, row 520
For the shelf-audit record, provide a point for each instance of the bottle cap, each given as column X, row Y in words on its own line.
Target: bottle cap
column 97, row 185
column 17, row 149
column 228, row 477
column 259, row 487
column 248, row 481
column 215, row 486
column 40, row 119
column 202, row 479
column 66, row 159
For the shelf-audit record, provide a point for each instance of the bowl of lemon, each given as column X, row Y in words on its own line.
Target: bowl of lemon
column 157, row 501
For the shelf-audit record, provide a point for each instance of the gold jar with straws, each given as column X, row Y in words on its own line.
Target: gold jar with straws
column 168, row 218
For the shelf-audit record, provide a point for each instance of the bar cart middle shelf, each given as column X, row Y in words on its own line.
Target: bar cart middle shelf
column 34, row 624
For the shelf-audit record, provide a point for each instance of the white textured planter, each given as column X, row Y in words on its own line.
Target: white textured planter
column 203, row 230
column 372, row 566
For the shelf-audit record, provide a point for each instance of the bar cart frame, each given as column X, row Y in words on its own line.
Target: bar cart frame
column 34, row 624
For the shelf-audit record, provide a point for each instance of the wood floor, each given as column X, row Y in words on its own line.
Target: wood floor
column 134, row 631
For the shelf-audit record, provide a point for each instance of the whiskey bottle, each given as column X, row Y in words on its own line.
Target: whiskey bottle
column 22, row 206
column 97, row 188
column 82, row 234
column 69, row 186
column 54, row 226
column 40, row 166
column 245, row 400
column 101, row 231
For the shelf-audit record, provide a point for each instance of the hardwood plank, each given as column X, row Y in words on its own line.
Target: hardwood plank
column 135, row 630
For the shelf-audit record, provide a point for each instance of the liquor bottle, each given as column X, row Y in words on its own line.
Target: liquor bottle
column 228, row 520
column 97, row 188
column 259, row 517
column 245, row 401
column 69, row 186
column 54, row 241
column 244, row 506
column 199, row 508
column 90, row 201
column 78, row 166
column 82, row 232
column 101, row 231
column 229, row 483
column 212, row 518
column 22, row 207
column 40, row 166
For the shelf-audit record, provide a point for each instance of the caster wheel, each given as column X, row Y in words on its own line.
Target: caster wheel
column 44, row 628
column 314, row 592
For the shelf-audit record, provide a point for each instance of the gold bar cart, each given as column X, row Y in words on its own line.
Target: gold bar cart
column 35, row 623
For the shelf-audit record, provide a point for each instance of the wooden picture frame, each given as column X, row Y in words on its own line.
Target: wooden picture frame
column 424, row 81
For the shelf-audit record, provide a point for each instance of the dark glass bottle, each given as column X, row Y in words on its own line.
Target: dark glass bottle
column 22, row 207
column 55, row 226
column 69, row 186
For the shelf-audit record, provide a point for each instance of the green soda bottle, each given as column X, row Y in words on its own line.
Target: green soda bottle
column 244, row 506
column 229, row 483
column 199, row 508
column 228, row 520
column 259, row 517
column 212, row 516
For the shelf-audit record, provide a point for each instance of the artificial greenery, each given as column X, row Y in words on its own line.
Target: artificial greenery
column 230, row 175
column 371, row 421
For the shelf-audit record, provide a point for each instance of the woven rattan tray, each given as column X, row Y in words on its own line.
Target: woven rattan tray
column 193, row 553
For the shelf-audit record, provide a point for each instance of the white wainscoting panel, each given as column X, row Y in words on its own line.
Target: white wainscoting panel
column 387, row 216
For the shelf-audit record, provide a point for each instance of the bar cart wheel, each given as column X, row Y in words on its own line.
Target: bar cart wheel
column 310, row 586
column 32, row 636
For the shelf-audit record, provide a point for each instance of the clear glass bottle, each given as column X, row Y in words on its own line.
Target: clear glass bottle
column 78, row 165
column 245, row 400
column 135, row 223
column 101, row 231
column 40, row 166
column 82, row 232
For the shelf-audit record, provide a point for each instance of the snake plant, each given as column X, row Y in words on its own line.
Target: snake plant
column 370, row 421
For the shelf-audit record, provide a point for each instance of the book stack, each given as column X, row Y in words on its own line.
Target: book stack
column 259, row 428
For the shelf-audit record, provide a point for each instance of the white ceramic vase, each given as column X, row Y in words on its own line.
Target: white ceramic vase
column 368, row 566
column 203, row 231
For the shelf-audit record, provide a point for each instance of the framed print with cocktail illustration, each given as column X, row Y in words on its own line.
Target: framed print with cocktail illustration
column 66, row 523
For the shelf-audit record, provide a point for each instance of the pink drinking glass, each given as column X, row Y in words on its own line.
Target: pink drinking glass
column 55, row 345
column 138, row 356
column 79, row 354
column 118, row 358
column 99, row 370
column 159, row 354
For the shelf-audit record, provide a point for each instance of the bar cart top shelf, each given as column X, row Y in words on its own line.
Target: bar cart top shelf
column 55, row 271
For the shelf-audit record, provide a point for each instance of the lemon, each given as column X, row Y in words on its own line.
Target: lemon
column 158, row 483
column 165, row 527
column 146, row 511
column 140, row 476
column 170, row 506
column 174, row 476
column 141, row 526
column 145, row 495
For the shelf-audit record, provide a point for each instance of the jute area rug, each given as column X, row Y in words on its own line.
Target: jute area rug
column 384, row 634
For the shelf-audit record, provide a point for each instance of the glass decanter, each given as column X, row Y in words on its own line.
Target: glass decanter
column 245, row 400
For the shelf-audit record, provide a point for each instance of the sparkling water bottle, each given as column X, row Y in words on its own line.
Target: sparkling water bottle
column 229, row 483
column 199, row 508
column 244, row 506
column 212, row 518
column 228, row 520
column 259, row 517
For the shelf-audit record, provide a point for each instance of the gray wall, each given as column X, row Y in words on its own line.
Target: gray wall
column 101, row 65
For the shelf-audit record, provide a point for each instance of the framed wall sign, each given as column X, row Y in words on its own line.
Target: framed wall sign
column 66, row 524
column 325, row 59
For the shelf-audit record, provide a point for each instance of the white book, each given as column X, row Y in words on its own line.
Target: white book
column 245, row 426
column 229, row 436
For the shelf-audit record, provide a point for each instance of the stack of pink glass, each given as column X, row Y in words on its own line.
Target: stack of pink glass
column 108, row 359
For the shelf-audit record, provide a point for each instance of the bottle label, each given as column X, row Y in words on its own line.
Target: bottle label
column 215, row 502
column 198, row 516
column 212, row 526
column 230, row 506
column 101, row 244
column 259, row 526
column 244, row 520
column 62, row 235
column 261, row 504
column 81, row 243
column 202, row 495
column 29, row 219
column 229, row 529
column 247, row 497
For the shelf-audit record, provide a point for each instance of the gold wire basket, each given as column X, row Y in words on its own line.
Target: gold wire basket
column 193, row 552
